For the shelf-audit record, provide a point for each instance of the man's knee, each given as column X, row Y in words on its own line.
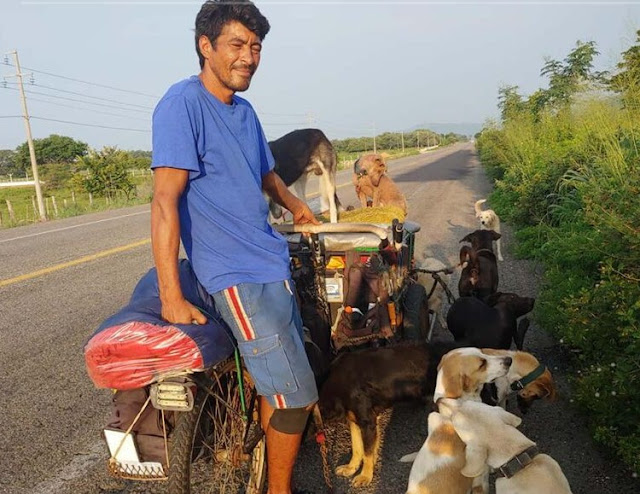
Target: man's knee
column 290, row 420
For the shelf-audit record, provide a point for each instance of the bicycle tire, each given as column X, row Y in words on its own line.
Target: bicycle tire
column 206, row 445
column 416, row 313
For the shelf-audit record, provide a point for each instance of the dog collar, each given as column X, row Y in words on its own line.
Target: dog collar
column 529, row 378
column 517, row 463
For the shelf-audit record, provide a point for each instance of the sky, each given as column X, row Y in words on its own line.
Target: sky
column 349, row 68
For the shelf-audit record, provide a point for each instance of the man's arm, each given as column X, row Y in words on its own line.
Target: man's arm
column 168, row 186
column 273, row 185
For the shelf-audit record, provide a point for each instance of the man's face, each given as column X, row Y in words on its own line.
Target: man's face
column 233, row 58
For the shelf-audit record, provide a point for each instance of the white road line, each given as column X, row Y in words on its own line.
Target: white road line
column 73, row 226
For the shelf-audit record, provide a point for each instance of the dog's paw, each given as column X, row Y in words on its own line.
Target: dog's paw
column 500, row 258
column 361, row 480
column 346, row 470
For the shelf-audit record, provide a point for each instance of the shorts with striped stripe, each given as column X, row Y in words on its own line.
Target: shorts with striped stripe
column 266, row 323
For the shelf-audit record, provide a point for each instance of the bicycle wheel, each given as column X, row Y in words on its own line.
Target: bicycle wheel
column 206, row 445
column 416, row 314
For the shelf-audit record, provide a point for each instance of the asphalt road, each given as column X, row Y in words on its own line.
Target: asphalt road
column 59, row 280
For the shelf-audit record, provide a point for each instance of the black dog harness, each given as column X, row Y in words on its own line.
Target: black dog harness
column 529, row 378
column 517, row 463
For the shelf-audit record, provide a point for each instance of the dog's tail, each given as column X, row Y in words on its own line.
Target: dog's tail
column 410, row 458
column 478, row 206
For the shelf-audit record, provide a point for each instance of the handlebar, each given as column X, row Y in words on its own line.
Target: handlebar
column 381, row 232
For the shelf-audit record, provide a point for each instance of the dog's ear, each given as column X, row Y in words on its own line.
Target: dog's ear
column 466, row 238
column 508, row 418
column 434, row 420
column 451, row 382
column 492, row 299
column 356, row 166
column 543, row 387
column 476, row 460
column 495, row 235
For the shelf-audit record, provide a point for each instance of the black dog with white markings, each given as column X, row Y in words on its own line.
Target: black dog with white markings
column 492, row 322
column 299, row 153
column 479, row 278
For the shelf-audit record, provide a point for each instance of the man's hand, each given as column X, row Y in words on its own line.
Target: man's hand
column 302, row 214
column 182, row 312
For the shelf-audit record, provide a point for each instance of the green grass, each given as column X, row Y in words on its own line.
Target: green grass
column 569, row 182
column 22, row 200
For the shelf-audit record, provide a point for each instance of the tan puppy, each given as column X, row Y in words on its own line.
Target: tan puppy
column 492, row 440
column 437, row 466
column 371, row 180
column 489, row 220
column 531, row 380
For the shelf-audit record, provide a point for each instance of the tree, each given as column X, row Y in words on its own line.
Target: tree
column 107, row 173
column 510, row 102
column 628, row 76
column 567, row 77
column 52, row 149
column 8, row 162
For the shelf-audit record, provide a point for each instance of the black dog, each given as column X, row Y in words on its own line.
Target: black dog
column 479, row 278
column 299, row 153
column 490, row 323
column 362, row 384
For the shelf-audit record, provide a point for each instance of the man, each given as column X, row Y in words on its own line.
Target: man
column 211, row 164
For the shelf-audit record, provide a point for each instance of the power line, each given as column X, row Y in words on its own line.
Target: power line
column 90, row 125
column 92, row 110
column 77, row 100
column 10, row 116
column 85, row 102
column 86, row 82
column 89, row 96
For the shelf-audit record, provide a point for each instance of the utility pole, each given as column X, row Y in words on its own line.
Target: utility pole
column 402, row 138
column 27, row 128
column 418, row 133
column 374, row 138
column 310, row 119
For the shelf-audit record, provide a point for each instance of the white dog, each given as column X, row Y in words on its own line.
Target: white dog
column 492, row 439
column 489, row 220
column 437, row 466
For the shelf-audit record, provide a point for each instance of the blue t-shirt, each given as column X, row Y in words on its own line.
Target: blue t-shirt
column 223, row 214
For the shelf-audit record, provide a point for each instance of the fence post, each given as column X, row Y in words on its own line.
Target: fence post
column 90, row 199
column 46, row 206
column 0, row 218
column 64, row 202
column 73, row 197
column 55, row 206
column 12, row 215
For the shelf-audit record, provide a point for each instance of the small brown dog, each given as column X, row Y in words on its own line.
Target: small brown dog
column 371, row 180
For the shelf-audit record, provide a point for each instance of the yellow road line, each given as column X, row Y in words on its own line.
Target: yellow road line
column 104, row 253
column 75, row 262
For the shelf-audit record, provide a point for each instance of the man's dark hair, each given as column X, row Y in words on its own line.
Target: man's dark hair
column 214, row 14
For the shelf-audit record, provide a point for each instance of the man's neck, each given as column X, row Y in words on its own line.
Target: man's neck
column 212, row 85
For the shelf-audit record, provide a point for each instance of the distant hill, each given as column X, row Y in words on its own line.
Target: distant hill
column 464, row 128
